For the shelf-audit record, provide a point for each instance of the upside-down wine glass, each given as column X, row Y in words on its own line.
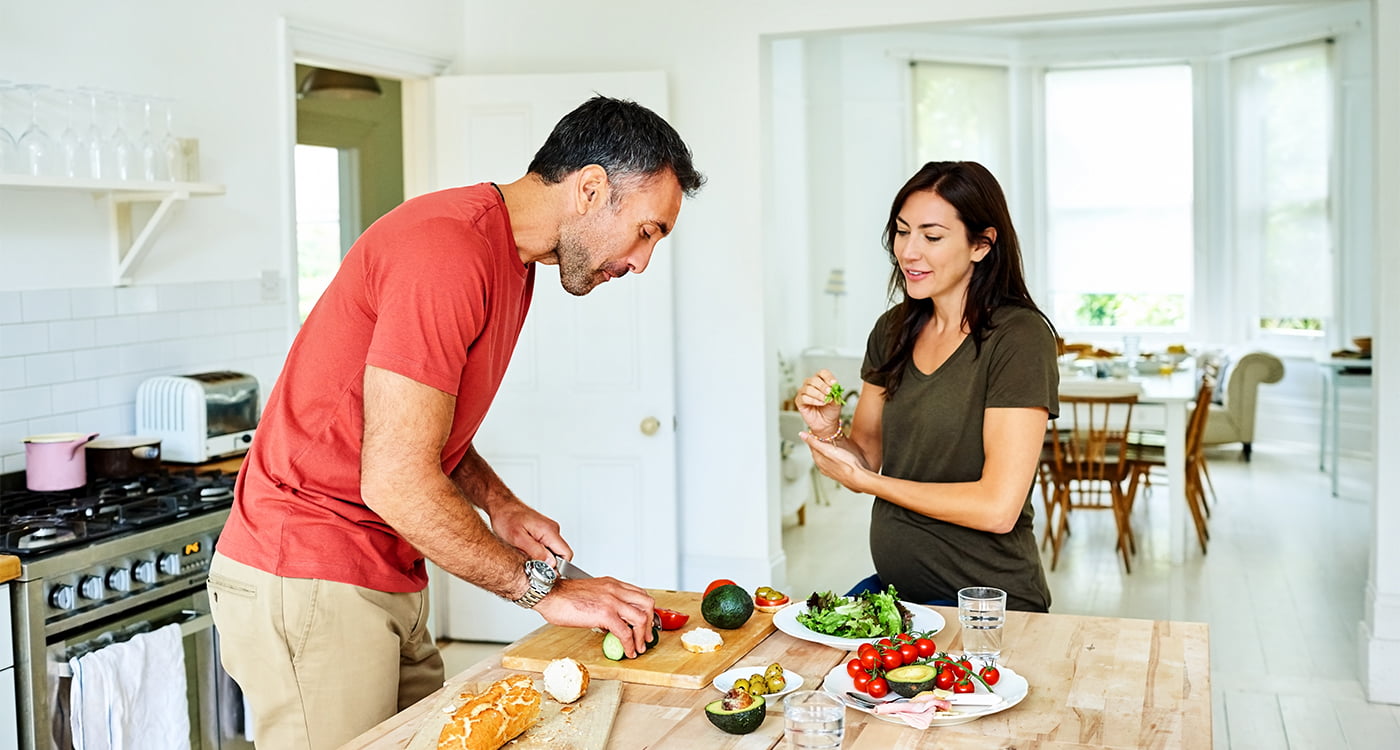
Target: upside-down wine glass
column 93, row 143
column 152, row 163
column 121, row 152
column 70, row 144
column 8, row 148
column 35, row 145
column 170, row 145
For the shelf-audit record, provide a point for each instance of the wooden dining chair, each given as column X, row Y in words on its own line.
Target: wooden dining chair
column 1143, row 457
column 1089, row 465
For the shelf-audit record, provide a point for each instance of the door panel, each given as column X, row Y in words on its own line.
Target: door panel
column 564, row 432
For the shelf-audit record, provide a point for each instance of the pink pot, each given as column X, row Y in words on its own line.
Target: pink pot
column 56, row 461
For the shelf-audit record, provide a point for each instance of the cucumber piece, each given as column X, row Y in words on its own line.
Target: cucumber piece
column 612, row 647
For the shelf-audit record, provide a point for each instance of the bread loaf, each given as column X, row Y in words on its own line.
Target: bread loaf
column 566, row 680
column 493, row 718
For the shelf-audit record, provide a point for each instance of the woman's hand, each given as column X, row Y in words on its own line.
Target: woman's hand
column 835, row 460
column 823, row 417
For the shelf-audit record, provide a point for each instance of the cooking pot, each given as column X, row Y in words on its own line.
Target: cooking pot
column 123, row 456
column 55, row 461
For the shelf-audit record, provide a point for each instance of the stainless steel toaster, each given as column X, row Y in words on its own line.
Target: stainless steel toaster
column 201, row 416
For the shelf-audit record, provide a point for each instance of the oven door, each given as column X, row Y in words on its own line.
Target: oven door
column 202, row 671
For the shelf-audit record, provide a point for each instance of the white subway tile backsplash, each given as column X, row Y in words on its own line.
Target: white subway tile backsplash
column 11, row 311
column 47, row 304
column 45, row 369
column 67, row 335
column 118, row 389
column 54, row 423
column 12, row 436
column 268, row 316
column 139, row 358
column 94, row 303
column 95, row 363
column 24, row 338
column 158, row 326
column 249, row 344
column 121, row 329
column 79, row 395
column 12, row 462
column 25, row 403
column 133, row 300
column 177, row 297
column 11, row 373
column 216, row 293
column 246, row 292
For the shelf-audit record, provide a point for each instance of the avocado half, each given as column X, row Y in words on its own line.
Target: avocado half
column 736, row 720
column 912, row 679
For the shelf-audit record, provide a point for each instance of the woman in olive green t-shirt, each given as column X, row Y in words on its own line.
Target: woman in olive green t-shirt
column 960, row 378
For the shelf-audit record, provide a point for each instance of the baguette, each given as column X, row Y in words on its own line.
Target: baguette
column 497, row 716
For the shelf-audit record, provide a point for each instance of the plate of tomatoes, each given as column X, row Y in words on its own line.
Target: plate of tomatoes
column 864, row 677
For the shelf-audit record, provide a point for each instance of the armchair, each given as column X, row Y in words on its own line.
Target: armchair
column 1232, row 420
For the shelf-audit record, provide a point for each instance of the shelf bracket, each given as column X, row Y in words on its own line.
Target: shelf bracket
column 127, row 257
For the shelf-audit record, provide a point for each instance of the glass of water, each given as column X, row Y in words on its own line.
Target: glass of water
column 813, row 719
column 982, row 613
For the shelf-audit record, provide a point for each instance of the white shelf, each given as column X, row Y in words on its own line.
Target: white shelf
column 127, row 247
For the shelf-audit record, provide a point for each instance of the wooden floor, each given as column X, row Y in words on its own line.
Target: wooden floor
column 1281, row 588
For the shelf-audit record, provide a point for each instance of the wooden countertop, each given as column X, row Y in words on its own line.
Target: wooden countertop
column 1095, row 682
column 9, row 568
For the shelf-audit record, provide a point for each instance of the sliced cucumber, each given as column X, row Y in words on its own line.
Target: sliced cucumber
column 612, row 647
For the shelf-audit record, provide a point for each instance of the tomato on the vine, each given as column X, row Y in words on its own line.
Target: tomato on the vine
column 990, row 674
column 907, row 638
column 957, row 670
column 965, row 686
column 885, row 643
column 870, row 659
column 945, row 679
column 926, row 647
column 909, row 652
column 862, row 680
column 854, row 667
column 878, row 688
column 966, row 665
column 891, row 659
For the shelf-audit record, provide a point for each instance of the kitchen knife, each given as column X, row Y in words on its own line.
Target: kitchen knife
column 569, row 570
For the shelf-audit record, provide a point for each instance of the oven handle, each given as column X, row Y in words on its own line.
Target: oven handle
column 191, row 621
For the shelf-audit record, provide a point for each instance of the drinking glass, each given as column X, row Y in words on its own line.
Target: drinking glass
column 94, row 144
column 982, row 612
column 120, row 152
column 9, row 150
column 35, row 146
column 813, row 719
column 71, row 149
column 170, row 148
column 148, row 148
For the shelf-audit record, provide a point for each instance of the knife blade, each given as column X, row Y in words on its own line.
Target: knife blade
column 569, row 570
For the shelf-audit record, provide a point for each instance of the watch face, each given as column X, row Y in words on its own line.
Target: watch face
column 540, row 571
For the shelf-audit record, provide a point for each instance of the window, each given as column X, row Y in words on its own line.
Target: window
column 1118, row 192
column 1283, row 222
column 963, row 113
column 324, row 230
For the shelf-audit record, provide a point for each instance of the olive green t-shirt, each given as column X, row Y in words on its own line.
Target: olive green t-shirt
column 931, row 431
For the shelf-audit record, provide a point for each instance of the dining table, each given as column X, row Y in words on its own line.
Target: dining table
column 1164, row 403
column 1093, row 682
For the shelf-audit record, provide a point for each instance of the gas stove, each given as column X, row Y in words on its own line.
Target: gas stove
column 37, row 523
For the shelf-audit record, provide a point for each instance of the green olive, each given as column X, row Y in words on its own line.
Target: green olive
column 773, row 669
column 776, row 683
column 741, row 684
column 763, row 592
column 758, row 686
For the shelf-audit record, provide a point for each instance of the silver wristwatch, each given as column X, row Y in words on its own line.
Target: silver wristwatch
column 540, row 577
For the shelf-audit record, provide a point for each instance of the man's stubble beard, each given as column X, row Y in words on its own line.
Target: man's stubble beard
column 577, row 272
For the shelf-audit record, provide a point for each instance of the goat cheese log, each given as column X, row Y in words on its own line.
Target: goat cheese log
column 497, row 716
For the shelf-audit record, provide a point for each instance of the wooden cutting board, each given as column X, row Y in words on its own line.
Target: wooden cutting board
column 667, row 664
column 582, row 725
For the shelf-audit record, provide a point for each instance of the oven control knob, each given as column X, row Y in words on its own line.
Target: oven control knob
column 119, row 579
column 91, row 587
column 169, row 565
column 62, row 597
column 145, row 571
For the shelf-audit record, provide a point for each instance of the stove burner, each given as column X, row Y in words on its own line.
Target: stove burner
column 35, row 522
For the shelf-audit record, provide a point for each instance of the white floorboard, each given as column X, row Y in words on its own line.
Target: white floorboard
column 1281, row 588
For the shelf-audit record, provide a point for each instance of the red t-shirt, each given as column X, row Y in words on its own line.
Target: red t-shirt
column 434, row 291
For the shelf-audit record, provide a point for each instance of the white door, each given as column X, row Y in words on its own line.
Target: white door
column 571, row 429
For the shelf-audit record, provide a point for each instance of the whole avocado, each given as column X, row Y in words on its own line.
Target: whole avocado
column 727, row 607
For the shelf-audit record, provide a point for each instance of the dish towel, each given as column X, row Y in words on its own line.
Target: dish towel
column 131, row 695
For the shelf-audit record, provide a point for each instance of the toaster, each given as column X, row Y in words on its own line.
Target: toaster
column 199, row 417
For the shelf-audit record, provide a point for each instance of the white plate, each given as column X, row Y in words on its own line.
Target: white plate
column 925, row 619
column 725, row 680
column 1011, row 686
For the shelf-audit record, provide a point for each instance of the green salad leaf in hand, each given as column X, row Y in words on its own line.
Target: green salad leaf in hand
column 837, row 394
column 870, row 615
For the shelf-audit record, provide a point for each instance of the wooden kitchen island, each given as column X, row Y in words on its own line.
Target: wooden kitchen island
column 1095, row 682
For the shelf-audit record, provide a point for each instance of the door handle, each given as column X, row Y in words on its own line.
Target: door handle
column 650, row 425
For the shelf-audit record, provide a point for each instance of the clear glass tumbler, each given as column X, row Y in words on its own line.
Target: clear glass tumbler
column 813, row 720
column 982, row 613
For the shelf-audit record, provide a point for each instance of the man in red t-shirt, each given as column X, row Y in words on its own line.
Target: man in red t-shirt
column 363, row 464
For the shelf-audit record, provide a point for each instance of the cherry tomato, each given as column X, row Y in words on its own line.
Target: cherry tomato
column 966, row 666
column 905, row 637
column 870, row 659
column 885, row 643
column 945, row 679
column 891, row 660
column 926, row 647
column 854, row 667
column 909, row 652
column 671, row 619
column 717, row 583
column 965, row 686
column 864, row 647
column 958, row 671
column 878, row 688
column 862, row 681
column 990, row 674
